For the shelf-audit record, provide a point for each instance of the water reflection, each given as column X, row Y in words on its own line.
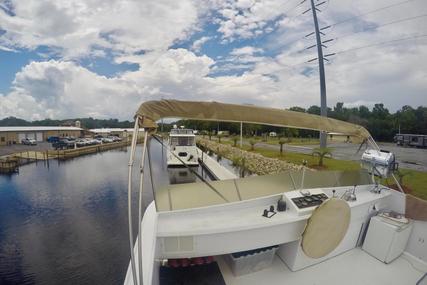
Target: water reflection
column 178, row 175
column 67, row 223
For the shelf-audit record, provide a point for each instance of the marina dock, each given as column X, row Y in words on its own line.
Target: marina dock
column 10, row 163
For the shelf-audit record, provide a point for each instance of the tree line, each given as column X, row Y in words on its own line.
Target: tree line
column 380, row 122
column 88, row 123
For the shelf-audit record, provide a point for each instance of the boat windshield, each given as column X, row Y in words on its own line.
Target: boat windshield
column 181, row 132
column 196, row 195
column 182, row 141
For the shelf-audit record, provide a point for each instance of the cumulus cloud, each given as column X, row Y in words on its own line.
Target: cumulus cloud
column 197, row 45
column 272, row 71
column 247, row 50
column 58, row 89
column 80, row 28
column 61, row 89
column 247, row 18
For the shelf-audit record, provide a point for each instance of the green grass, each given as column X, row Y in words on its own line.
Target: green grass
column 294, row 141
column 416, row 181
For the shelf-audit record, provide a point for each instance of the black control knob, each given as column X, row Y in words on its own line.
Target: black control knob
column 281, row 205
column 265, row 214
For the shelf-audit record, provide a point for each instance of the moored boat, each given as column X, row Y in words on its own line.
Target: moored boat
column 287, row 228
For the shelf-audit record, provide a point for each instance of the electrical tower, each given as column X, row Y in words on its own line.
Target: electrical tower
column 320, row 58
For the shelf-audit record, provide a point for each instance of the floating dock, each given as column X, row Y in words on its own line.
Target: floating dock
column 10, row 163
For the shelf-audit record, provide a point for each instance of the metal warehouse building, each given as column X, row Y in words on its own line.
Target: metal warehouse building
column 120, row 132
column 14, row 135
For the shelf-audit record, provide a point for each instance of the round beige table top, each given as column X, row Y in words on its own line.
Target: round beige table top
column 326, row 228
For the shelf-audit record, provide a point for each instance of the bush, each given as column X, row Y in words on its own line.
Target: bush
column 252, row 142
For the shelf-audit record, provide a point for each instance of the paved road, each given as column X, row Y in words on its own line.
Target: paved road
column 41, row 146
column 411, row 158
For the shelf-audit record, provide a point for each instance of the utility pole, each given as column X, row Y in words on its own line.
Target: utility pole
column 241, row 134
column 323, row 107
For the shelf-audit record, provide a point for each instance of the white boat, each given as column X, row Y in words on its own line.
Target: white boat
column 310, row 227
column 182, row 148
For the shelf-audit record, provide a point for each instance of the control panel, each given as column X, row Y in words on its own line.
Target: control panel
column 305, row 201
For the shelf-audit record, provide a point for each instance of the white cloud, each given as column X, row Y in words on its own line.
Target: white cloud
column 197, row 45
column 394, row 74
column 55, row 89
column 247, row 18
column 60, row 89
column 247, row 50
column 77, row 28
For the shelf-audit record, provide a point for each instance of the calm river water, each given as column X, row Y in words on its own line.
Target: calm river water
column 67, row 223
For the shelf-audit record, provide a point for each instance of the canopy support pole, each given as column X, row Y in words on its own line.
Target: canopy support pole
column 141, row 182
column 130, row 166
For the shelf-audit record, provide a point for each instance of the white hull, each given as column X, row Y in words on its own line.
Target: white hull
column 187, row 154
column 239, row 226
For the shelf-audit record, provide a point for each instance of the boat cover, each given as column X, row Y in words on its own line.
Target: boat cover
column 152, row 111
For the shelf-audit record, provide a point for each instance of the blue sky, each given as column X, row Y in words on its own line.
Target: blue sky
column 99, row 58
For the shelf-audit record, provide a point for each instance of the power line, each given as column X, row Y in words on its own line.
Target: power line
column 366, row 13
column 291, row 18
column 296, row 6
column 361, row 15
column 382, row 43
column 382, row 25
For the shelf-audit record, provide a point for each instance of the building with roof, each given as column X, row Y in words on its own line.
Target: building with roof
column 14, row 135
column 119, row 132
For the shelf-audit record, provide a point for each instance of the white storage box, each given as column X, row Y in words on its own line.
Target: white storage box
column 386, row 240
column 246, row 262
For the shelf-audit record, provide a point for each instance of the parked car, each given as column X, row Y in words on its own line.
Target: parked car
column 98, row 140
column 63, row 144
column 115, row 138
column 107, row 140
column 29, row 142
column 52, row 139
column 89, row 141
column 81, row 142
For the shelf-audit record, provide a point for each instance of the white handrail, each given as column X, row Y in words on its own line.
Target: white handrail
column 141, row 178
column 130, row 165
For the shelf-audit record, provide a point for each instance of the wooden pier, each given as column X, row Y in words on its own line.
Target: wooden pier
column 11, row 163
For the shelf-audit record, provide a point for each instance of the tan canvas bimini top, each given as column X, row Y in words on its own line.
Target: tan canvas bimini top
column 152, row 111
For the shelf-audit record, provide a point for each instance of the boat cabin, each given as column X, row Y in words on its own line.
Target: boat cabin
column 182, row 148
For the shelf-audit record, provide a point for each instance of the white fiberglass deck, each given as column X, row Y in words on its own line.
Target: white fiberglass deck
column 354, row 267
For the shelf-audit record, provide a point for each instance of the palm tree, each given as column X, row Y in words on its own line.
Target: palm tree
column 252, row 142
column 235, row 139
column 322, row 153
column 281, row 141
column 239, row 162
column 219, row 137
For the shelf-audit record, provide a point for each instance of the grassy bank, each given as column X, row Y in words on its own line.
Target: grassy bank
column 413, row 181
